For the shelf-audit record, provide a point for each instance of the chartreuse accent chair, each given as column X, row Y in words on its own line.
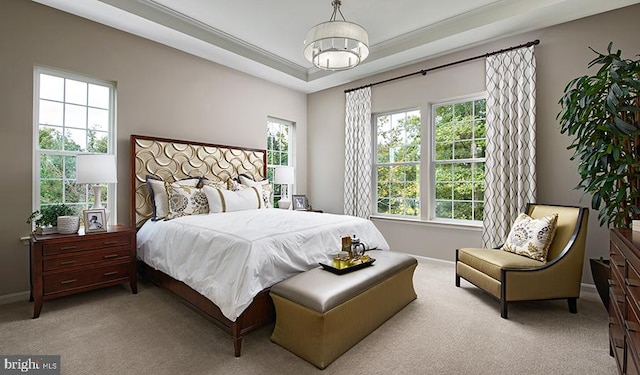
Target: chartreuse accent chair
column 512, row 277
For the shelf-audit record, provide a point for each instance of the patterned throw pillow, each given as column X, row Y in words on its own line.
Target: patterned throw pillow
column 186, row 200
column 531, row 237
column 214, row 184
column 159, row 196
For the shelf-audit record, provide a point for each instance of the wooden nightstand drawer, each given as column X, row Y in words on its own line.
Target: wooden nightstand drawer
column 58, row 282
column 86, row 257
column 63, row 264
column 86, row 243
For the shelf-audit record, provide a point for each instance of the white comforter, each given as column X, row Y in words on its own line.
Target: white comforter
column 230, row 257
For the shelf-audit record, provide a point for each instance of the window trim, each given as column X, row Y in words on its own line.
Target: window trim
column 426, row 165
column 112, row 195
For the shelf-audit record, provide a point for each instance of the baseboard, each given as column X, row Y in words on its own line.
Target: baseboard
column 14, row 297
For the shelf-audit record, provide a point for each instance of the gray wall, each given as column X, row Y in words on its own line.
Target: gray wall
column 160, row 92
column 562, row 55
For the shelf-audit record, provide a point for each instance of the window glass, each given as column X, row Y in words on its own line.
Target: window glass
column 459, row 159
column 398, row 163
column 279, row 139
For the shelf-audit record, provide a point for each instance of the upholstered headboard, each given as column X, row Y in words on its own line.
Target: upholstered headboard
column 172, row 159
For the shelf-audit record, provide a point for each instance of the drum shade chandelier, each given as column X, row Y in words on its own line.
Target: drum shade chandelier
column 335, row 44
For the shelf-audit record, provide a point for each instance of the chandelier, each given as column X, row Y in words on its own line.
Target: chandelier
column 335, row 44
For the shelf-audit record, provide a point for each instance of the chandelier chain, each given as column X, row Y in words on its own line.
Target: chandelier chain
column 336, row 9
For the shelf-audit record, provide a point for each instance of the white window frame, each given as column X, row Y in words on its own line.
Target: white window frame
column 432, row 162
column 290, row 154
column 418, row 163
column 37, row 152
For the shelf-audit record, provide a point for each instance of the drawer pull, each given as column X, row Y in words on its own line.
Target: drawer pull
column 110, row 242
column 618, row 343
column 632, row 283
column 110, row 273
column 68, row 281
column 611, row 282
column 618, row 298
column 67, row 262
column 68, row 247
column 110, row 256
column 631, row 326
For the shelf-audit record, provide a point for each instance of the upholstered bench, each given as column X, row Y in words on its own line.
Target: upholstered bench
column 321, row 315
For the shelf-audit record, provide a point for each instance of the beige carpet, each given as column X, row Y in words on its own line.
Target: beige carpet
column 447, row 330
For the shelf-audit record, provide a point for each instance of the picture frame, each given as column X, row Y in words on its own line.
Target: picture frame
column 300, row 202
column 95, row 220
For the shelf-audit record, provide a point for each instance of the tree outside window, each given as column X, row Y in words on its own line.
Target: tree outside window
column 459, row 159
column 279, row 135
column 398, row 163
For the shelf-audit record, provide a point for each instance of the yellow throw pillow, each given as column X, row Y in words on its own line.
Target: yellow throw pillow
column 531, row 237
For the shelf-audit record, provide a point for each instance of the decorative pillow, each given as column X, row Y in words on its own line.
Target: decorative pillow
column 234, row 184
column 214, row 184
column 159, row 196
column 531, row 237
column 266, row 189
column 186, row 200
column 221, row 200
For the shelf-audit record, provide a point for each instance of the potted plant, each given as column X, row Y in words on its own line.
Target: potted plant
column 602, row 113
column 46, row 219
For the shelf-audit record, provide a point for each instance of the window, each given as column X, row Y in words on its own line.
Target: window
column 459, row 159
column 279, row 141
column 398, row 163
column 72, row 115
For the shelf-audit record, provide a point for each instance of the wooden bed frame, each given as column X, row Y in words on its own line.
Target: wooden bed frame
column 173, row 159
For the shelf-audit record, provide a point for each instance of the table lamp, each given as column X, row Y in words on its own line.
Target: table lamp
column 284, row 176
column 96, row 169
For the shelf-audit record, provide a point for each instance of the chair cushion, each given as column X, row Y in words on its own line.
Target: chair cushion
column 490, row 261
column 531, row 237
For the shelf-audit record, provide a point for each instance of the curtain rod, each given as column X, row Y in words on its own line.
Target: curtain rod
column 425, row 71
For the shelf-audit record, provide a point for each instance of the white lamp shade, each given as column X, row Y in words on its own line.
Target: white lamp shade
column 336, row 45
column 283, row 176
column 96, row 169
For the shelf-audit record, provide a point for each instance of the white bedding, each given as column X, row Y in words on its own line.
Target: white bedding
column 230, row 257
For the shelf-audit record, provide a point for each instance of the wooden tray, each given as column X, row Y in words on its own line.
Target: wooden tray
column 342, row 271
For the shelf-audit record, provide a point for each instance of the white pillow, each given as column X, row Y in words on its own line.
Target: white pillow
column 159, row 196
column 265, row 187
column 221, row 200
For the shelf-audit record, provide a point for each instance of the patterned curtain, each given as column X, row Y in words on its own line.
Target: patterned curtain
column 511, row 141
column 358, row 154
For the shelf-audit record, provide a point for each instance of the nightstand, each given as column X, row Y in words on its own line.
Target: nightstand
column 64, row 264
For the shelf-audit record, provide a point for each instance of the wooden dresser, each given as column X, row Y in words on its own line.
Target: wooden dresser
column 72, row 263
column 624, row 305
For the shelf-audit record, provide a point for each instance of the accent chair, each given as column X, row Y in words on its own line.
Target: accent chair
column 512, row 277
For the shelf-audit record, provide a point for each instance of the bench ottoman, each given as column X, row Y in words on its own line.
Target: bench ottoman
column 321, row 315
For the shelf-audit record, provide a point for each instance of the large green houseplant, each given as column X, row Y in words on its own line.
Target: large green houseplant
column 602, row 113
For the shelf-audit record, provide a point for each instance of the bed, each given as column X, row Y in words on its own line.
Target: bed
column 223, row 264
